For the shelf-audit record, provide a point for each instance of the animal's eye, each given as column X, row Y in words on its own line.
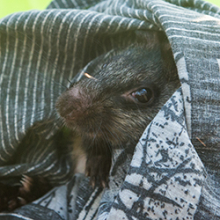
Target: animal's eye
column 144, row 95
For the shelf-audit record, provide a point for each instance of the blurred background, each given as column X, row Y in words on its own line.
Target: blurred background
column 9, row 6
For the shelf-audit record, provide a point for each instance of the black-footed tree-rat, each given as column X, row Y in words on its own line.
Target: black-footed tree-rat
column 115, row 100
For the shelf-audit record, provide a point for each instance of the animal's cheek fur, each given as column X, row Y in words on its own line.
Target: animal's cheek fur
column 112, row 125
column 122, row 127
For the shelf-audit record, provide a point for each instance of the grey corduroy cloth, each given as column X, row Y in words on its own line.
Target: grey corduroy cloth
column 174, row 171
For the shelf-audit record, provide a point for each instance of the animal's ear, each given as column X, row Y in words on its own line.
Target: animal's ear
column 167, row 55
column 164, row 43
column 151, row 38
column 158, row 39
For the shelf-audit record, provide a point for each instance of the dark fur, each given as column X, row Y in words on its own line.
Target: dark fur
column 98, row 110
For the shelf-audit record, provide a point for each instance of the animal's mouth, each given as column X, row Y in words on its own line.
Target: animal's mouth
column 84, row 126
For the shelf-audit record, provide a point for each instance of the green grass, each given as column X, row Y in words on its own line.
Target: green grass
column 10, row 6
column 215, row 2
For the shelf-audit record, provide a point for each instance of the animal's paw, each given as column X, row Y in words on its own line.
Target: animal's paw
column 8, row 197
column 28, row 190
column 98, row 167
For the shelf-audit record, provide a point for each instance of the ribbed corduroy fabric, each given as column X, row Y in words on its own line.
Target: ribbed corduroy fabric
column 174, row 171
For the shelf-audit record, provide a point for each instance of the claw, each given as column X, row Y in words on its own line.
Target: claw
column 97, row 167
column 103, row 184
column 26, row 182
column 93, row 184
column 22, row 201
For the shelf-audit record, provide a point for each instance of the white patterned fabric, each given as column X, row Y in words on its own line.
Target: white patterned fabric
column 174, row 171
